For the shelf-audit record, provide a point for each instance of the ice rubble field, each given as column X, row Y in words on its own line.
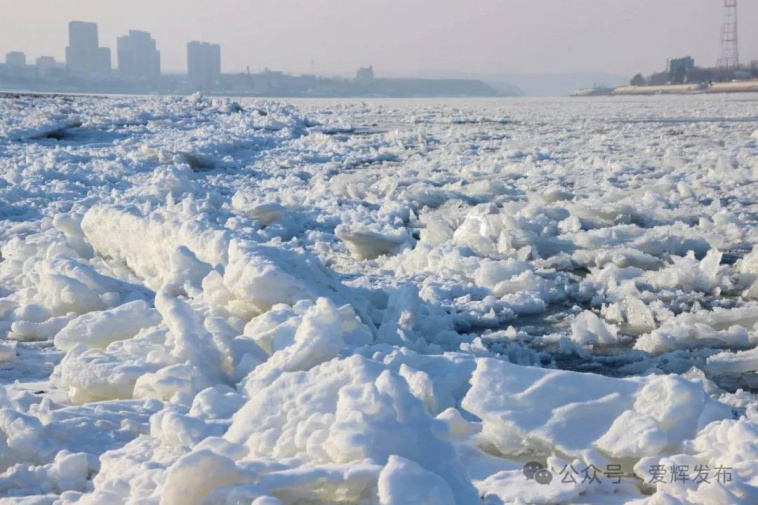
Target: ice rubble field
column 209, row 301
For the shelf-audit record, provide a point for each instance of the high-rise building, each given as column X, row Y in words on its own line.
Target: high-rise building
column 83, row 53
column 44, row 64
column 103, row 63
column 138, row 57
column 203, row 63
column 15, row 59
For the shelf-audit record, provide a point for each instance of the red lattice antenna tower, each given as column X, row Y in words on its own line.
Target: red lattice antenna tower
column 730, row 54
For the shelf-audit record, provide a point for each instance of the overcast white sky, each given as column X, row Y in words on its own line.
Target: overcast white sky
column 401, row 36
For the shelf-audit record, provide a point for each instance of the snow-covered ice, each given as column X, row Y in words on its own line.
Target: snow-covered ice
column 208, row 301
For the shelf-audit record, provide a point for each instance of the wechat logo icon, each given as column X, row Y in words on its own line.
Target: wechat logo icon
column 538, row 472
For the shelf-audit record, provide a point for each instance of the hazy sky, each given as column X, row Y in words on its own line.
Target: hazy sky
column 401, row 36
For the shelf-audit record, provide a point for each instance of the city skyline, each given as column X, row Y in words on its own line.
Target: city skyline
column 137, row 56
column 88, row 67
column 83, row 54
column 335, row 37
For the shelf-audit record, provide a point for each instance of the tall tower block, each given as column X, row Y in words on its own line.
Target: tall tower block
column 730, row 55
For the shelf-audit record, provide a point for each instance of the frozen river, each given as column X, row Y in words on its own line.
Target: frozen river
column 209, row 301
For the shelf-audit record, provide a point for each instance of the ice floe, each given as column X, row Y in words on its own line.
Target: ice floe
column 207, row 301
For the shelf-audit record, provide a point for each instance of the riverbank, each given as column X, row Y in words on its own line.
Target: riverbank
column 672, row 89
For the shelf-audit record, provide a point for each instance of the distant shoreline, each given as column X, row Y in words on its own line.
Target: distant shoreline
column 273, row 85
column 9, row 93
column 672, row 89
